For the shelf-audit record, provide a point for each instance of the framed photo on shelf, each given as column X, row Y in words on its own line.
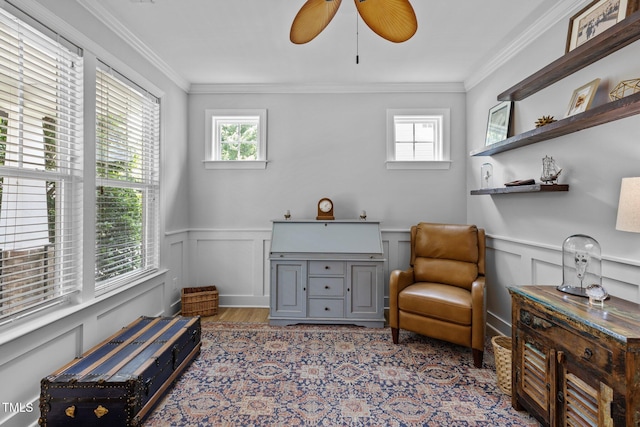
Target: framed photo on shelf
column 595, row 18
column 582, row 98
column 499, row 123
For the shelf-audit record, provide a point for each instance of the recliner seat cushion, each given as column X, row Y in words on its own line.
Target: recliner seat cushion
column 438, row 301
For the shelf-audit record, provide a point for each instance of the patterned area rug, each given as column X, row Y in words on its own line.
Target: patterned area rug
column 261, row 375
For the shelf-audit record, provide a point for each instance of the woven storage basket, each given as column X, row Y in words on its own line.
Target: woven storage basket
column 502, row 353
column 202, row 301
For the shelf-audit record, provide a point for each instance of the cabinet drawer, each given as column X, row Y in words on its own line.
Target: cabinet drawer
column 320, row 307
column 587, row 353
column 326, row 286
column 326, row 268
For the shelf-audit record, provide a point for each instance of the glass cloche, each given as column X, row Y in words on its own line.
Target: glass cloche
column 581, row 265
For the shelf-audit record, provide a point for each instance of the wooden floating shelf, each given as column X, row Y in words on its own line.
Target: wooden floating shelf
column 611, row 111
column 609, row 41
column 534, row 188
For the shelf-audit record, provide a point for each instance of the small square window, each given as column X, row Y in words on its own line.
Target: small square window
column 236, row 139
column 418, row 139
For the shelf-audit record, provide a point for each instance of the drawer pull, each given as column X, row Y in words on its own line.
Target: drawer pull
column 588, row 353
column 326, row 267
column 326, row 309
column 327, row 287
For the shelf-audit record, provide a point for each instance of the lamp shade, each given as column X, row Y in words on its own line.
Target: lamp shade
column 629, row 205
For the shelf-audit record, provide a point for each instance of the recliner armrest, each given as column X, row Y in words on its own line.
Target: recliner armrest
column 397, row 282
column 477, row 308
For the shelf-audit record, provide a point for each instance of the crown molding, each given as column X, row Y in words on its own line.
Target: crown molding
column 552, row 16
column 283, row 88
column 39, row 12
column 103, row 15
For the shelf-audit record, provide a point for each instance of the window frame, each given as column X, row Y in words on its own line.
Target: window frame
column 443, row 146
column 146, row 181
column 212, row 148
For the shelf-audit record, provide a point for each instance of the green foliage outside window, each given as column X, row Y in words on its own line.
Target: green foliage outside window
column 50, row 159
column 239, row 141
column 119, row 209
column 118, row 231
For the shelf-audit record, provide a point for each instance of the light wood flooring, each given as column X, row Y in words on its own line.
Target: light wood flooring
column 247, row 315
column 239, row 314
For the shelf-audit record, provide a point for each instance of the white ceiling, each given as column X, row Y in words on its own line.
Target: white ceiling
column 247, row 41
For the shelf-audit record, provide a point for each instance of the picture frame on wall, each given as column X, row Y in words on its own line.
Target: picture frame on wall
column 582, row 98
column 595, row 18
column 499, row 123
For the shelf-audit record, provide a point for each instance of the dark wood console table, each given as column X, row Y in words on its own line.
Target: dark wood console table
column 575, row 364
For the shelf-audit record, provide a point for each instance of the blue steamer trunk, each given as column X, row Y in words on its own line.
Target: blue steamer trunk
column 118, row 382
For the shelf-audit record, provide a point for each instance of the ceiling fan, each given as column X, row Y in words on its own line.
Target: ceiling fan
column 393, row 20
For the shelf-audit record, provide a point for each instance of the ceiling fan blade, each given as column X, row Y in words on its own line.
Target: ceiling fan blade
column 312, row 18
column 393, row 20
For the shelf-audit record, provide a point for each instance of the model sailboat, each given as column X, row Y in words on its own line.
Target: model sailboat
column 550, row 171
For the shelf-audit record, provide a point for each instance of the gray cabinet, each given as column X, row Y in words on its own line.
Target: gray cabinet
column 326, row 272
column 287, row 298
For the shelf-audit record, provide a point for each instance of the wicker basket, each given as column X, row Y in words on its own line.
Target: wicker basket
column 502, row 353
column 202, row 301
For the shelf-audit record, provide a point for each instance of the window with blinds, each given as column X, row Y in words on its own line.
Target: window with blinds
column 40, row 169
column 127, row 182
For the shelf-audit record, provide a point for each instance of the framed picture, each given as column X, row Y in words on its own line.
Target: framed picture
column 499, row 124
column 582, row 98
column 595, row 18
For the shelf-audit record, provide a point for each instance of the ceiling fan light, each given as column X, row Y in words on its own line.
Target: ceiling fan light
column 393, row 20
column 312, row 18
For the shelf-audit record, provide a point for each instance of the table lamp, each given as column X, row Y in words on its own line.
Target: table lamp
column 629, row 205
column 628, row 208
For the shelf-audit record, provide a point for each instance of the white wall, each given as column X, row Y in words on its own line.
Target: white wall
column 527, row 230
column 324, row 145
column 330, row 144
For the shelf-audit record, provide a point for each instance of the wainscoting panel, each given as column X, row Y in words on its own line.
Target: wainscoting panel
column 518, row 263
column 237, row 262
column 177, row 265
column 228, row 264
column 59, row 350
column 397, row 251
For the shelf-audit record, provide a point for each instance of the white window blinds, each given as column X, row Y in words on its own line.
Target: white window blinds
column 127, row 156
column 40, row 169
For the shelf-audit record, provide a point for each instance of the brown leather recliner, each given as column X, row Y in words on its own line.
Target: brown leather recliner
column 442, row 294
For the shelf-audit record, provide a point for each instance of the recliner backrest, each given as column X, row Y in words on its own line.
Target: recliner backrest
column 446, row 253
